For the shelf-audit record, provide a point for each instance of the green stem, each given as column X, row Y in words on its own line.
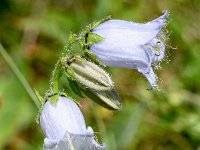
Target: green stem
column 54, row 81
column 100, row 123
column 19, row 75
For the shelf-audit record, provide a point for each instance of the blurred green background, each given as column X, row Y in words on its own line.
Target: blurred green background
column 34, row 34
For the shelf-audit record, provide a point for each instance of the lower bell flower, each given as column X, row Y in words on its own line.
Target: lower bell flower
column 64, row 127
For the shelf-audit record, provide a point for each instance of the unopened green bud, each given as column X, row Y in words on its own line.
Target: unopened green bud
column 108, row 99
column 91, row 75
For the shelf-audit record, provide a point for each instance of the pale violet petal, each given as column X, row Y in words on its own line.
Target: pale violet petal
column 129, row 32
column 122, row 24
column 124, row 36
column 134, row 58
column 50, row 143
column 151, row 77
column 121, row 50
column 64, row 116
column 89, row 132
column 139, row 59
column 77, row 142
column 156, row 49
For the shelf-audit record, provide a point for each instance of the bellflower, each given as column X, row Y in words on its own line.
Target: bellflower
column 64, row 127
column 131, row 45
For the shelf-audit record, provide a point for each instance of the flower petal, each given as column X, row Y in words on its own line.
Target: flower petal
column 77, row 142
column 64, row 116
column 156, row 50
column 129, row 32
column 123, row 58
column 151, row 77
column 49, row 143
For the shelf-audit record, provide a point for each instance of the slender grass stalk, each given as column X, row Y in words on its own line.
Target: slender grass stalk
column 100, row 123
column 19, row 75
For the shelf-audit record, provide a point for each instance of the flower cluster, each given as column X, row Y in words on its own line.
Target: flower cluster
column 108, row 42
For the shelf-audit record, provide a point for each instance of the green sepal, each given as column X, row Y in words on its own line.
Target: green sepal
column 93, row 38
column 75, row 87
column 74, row 48
column 91, row 57
column 87, row 37
column 39, row 113
column 76, row 58
column 53, row 99
column 42, row 101
column 77, row 44
column 73, row 45
column 65, row 95
column 73, row 37
column 70, row 73
column 57, row 73
column 40, row 97
column 96, row 24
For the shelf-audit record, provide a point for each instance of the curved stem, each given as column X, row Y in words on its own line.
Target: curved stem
column 19, row 75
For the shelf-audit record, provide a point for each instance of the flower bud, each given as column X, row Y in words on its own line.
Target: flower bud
column 91, row 75
column 62, row 121
column 108, row 99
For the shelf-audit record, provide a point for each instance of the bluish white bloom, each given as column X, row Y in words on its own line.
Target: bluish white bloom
column 131, row 45
column 64, row 127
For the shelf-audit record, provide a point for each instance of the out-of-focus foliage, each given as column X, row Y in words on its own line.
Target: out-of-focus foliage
column 34, row 34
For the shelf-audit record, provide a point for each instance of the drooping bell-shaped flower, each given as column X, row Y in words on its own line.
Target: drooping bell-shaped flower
column 131, row 45
column 64, row 127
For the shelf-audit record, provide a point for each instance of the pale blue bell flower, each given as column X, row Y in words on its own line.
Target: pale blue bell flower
column 131, row 45
column 64, row 127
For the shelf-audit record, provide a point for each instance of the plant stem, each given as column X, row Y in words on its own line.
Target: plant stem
column 54, row 81
column 100, row 123
column 19, row 75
